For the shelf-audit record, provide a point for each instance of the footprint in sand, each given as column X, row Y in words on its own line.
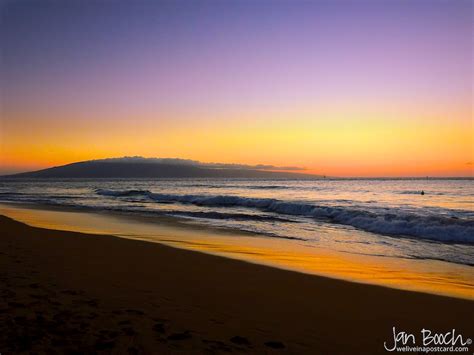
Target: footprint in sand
column 275, row 344
column 16, row 305
column 129, row 331
column 135, row 311
column 217, row 346
column 104, row 345
column 180, row 336
column 70, row 292
column 92, row 303
column 159, row 328
column 240, row 340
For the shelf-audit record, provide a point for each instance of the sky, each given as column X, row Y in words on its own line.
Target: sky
column 339, row 87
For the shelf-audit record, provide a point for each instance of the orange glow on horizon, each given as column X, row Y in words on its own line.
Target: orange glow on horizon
column 328, row 142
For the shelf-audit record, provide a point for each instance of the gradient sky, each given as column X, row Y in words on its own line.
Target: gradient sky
column 347, row 88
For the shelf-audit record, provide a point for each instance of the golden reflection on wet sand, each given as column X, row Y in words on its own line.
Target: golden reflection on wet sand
column 420, row 275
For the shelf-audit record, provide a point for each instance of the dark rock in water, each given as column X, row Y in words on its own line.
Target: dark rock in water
column 240, row 340
column 275, row 344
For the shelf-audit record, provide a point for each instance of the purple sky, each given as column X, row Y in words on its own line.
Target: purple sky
column 174, row 61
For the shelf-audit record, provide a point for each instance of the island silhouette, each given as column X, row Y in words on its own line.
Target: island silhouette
column 139, row 167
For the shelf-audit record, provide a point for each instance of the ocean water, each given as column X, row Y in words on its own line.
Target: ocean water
column 375, row 217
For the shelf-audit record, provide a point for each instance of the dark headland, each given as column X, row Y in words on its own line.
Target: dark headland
column 137, row 167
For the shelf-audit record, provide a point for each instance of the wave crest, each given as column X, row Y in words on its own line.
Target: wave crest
column 438, row 228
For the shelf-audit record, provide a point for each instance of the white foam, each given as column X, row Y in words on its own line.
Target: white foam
column 433, row 227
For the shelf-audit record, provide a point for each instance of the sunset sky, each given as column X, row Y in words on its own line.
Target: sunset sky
column 345, row 88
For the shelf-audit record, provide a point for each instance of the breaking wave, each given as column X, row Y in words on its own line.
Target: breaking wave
column 437, row 228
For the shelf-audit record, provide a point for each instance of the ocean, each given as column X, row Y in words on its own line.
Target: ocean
column 379, row 217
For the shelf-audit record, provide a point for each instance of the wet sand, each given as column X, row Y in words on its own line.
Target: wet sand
column 80, row 293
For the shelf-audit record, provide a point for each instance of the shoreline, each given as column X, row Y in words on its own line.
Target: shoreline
column 160, row 219
column 429, row 276
column 157, row 297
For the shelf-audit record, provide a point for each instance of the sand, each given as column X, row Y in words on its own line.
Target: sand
column 66, row 292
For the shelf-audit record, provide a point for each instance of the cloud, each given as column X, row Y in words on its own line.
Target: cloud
column 189, row 162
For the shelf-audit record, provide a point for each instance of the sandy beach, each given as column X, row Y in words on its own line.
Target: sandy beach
column 250, row 177
column 71, row 292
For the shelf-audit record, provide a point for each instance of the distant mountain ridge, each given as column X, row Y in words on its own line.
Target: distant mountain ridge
column 138, row 167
